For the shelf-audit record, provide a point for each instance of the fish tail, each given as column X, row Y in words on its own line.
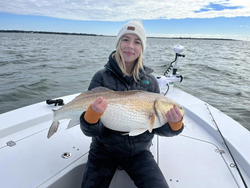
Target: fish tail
column 53, row 128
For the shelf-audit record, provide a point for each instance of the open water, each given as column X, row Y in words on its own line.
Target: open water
column 37, row 67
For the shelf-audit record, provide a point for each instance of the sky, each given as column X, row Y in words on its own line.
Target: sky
column 169, row 18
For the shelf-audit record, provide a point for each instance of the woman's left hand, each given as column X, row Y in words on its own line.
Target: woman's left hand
column 174, row 115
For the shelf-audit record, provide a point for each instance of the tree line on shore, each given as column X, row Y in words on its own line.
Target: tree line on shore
column 46, row 32
column 86, row 34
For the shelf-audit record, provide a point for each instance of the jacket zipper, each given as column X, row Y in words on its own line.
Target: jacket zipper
column 127, row 86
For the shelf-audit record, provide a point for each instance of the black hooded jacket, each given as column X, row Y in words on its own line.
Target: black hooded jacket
column 112, row 77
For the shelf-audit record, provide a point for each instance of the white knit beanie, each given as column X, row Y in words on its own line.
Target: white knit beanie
column 134, row 27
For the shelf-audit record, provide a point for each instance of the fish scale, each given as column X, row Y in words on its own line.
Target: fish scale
column 119, row 117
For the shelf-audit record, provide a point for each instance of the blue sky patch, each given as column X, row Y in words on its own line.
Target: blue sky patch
column 216, row 7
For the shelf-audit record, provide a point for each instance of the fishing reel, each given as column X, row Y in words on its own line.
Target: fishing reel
column 170, row 79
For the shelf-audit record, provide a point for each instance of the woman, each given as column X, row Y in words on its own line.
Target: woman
column 110, row 149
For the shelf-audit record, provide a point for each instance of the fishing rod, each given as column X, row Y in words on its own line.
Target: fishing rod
column 241, row 176
column 170, row 79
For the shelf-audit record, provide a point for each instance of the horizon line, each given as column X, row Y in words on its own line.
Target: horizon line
column 91, row 34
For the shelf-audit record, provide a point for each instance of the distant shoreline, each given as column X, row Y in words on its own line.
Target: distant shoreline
column 49, row 32
column 86, row 34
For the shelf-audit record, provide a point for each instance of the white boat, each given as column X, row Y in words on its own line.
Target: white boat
column 212, row 151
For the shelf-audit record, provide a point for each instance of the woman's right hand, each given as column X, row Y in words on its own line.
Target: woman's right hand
column 99, row 105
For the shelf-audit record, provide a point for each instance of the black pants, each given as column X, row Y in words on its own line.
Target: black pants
column 141, row 168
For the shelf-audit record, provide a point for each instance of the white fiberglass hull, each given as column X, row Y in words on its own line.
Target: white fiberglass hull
column 197, row 157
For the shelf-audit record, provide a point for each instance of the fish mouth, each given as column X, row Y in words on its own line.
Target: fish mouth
column 184, row 112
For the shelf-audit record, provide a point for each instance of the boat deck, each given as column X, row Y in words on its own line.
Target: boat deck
column 197, row 157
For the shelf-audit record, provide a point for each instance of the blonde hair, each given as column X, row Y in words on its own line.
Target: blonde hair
column 121, row 63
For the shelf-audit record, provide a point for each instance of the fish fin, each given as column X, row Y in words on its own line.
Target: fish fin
column 73, row 123
column 100, row 90
column 53, row 128
column 152, row 122
column 92, row 91
column 135, row 132
column 155, row 107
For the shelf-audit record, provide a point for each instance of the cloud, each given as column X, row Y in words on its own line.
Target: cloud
column 112, row 10
column 243, row 26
